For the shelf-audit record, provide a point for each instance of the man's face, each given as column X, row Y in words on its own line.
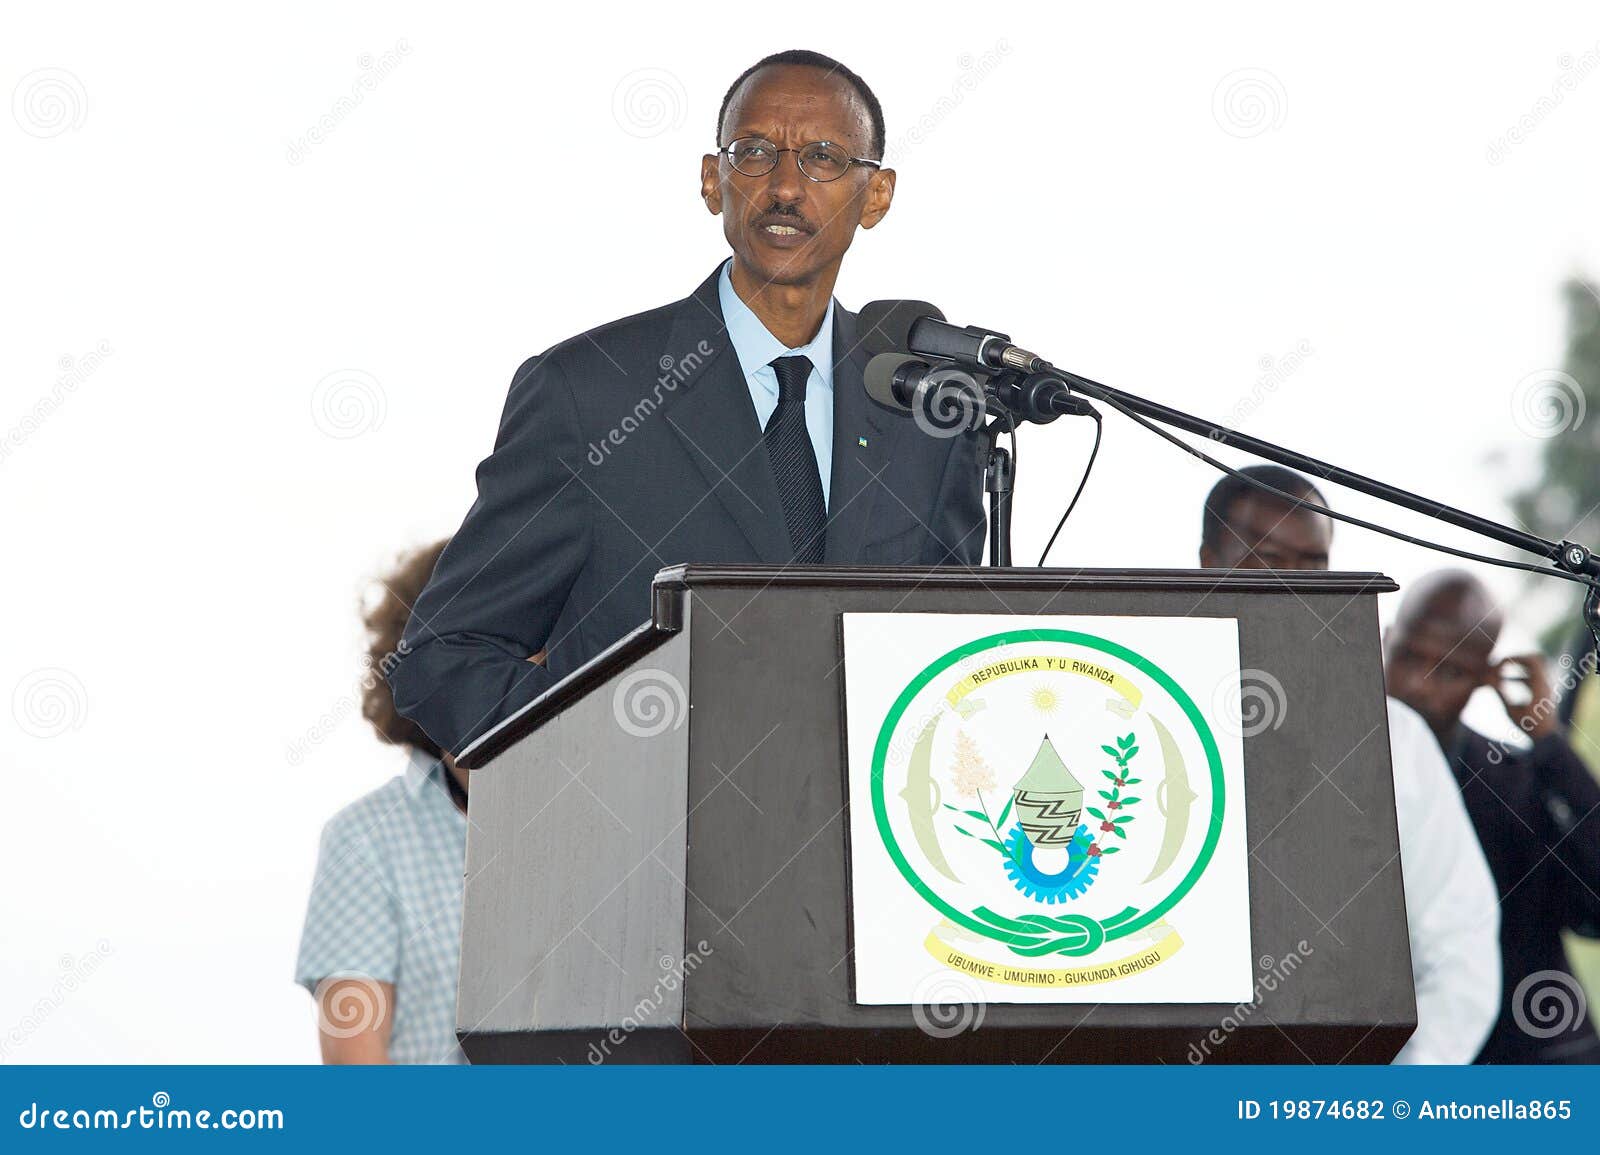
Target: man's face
column 1433, row 664
column 783, row 227
column 1266, row 532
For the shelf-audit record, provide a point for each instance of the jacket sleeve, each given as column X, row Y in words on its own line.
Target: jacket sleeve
column 500, row 585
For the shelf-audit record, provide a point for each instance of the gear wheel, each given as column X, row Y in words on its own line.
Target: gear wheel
column 1075, row 878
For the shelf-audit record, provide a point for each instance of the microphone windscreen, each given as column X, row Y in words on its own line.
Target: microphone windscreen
column 885, row 326
column 879, row 377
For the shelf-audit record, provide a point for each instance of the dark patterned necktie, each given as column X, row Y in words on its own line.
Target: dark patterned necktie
column 794, row 461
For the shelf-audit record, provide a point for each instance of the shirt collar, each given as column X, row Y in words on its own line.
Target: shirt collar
column 422, row 769
column 757, row 347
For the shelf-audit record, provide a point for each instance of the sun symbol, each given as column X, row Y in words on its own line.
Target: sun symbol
column 1044, row 699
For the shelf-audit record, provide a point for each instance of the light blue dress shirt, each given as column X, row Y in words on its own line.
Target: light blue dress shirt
column 757, row 349
column 386, row 905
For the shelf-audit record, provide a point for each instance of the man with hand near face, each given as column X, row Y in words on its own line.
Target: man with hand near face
column 731, row 426
column 1534, row 809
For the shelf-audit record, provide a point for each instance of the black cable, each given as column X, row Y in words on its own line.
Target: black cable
column 1581, row 579
column 1088, row 468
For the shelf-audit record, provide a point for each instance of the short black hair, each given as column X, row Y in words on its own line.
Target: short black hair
column 807, row 59
column 1219, row 502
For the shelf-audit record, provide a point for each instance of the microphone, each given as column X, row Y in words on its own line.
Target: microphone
column 918, row 327
column 944, row 400
column 885, row 326
column 1023, row 384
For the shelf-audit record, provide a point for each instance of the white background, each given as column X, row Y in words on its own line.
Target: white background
column 189, row 537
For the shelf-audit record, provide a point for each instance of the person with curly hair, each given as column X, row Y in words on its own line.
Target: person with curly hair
column 382, row 936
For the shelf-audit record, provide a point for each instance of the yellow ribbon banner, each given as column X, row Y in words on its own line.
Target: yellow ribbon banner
column 1044, row 664
column 1027, row 974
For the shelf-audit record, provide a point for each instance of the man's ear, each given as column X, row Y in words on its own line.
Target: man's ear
column 1208, row 558
column 880, row 192
column 710, row 185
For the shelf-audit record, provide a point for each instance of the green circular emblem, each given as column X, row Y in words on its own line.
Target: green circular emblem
column 1056, row 855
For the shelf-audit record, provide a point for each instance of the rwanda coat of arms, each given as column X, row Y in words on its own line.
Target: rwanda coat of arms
column 1048, row 807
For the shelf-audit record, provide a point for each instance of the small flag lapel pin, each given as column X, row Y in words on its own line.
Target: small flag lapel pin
column 861, row 442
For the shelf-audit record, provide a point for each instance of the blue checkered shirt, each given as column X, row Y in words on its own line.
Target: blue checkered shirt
column 386, row 905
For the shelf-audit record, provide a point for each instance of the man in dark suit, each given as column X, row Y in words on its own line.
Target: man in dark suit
column 1534, row 808
column 731, row 426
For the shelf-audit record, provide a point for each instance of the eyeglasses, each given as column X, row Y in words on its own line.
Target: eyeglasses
column 820, row 161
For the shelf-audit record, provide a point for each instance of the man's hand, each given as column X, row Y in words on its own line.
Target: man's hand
column 1535, row 717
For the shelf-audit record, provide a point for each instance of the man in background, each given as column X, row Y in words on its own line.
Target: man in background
column 1534, row 809
column 1450, row 897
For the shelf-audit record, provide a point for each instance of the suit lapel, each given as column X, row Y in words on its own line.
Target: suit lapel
column 713, row 416
column 857, row 467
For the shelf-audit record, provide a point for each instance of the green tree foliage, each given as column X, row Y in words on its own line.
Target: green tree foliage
column 1563, row 412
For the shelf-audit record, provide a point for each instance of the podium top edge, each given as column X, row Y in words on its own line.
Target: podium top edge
column 672, row 584
column 682, row 577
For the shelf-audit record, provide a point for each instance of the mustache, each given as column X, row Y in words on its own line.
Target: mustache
column 782, row 214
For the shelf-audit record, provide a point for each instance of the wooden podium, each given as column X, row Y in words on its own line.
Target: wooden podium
column 657, row 861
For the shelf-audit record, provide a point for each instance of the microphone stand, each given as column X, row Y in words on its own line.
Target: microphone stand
column 1567, row 556
column 999, row 478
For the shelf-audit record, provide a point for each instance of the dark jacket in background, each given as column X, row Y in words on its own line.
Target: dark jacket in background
column 1535, row 812
column 633, row 447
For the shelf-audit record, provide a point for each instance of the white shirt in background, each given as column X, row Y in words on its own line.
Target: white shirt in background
column 1452, row 908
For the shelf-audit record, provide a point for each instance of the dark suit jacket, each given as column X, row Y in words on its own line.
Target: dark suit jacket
column 633, row 447
column 1528, row 808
